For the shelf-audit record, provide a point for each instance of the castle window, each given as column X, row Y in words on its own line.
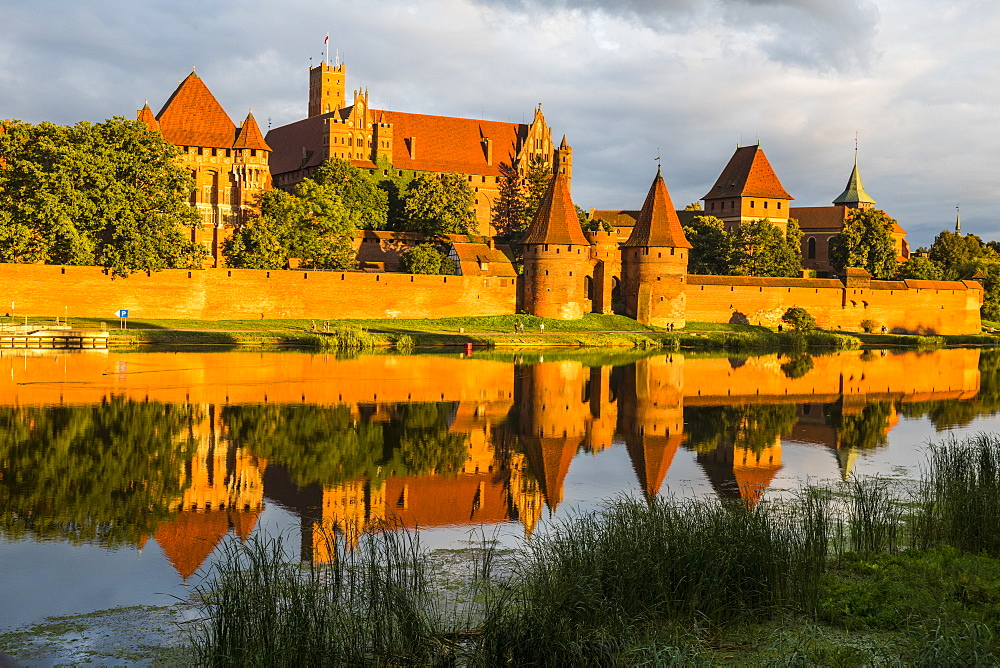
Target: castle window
column 201, row 151
column 253, row 153
column 713, row 206
column 779, row 205
column 811, row 253
column 214, row 152
column 751, row 204
column 732, row 204
column 765, row 205
column 672, row 250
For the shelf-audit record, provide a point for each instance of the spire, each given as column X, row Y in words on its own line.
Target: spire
column 658, row 224
column 563, row 145
column 958, row 219
column 145, row 115
column 556, row 221
column 854, row 195
column 249, row 135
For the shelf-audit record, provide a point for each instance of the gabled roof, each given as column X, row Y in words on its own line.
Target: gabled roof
column 855, row 193
column 193, row 117
column 820, row 218
column 556, row 221
column 658, row 225
column 249, row 136
column 748, row 174
column 443, row 143
column 146, row 116
column 472, row 257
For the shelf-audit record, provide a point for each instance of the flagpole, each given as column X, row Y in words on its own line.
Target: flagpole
column 327, row 43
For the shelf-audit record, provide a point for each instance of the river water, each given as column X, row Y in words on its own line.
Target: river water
column 122, row 474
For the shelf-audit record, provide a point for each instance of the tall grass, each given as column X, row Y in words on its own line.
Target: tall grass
column 350, row 338
column 960, row 496
column 636, row 582
column 373, row 604
column 589, row 584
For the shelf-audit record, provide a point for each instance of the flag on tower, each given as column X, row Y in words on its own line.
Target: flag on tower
column 327, row 38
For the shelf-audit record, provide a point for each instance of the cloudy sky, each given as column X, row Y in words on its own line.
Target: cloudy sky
column 625, row 80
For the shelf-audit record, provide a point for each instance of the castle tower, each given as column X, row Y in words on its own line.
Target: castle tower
column 564, row 159
column 326, row 88
column 854, row 195
column 748, row 190
column 654, row 262
column 556, row 258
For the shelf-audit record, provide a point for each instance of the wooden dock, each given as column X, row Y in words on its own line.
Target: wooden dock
column 56, row 338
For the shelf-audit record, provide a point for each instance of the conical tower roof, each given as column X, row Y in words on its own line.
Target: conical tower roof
column 555, row 221
column 193, row 117
column 146, row 116
column 855, row 193
column 658, row 224
column 249, row 135
column 748, row 174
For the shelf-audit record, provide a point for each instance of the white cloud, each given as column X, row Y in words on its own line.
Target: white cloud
column 622, row 79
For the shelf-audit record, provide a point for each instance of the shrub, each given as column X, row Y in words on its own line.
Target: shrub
column 426, row 259
column 869, row 326
column 798, row 319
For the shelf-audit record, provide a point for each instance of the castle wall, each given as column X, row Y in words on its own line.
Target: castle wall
column 216, row 294
column 923, row 307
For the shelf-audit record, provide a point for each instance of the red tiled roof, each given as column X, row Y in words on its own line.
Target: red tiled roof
column 658, row 225
column 615, row 218
column 190, row 537
column 556, row 221
column 249, row 136
column 443, row 143
column 748, row 174
column 472, row 255
column 145, row 115
column 820, row 218
column 193, row 117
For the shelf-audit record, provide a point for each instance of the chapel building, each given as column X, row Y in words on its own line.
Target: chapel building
column 407, row 143
column 229, row 163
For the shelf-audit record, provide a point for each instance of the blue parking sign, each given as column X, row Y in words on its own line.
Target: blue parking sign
column 123, row 313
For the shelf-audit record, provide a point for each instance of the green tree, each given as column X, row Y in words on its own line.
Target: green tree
column 711, row 246
column 693, row 206
column 367, row 204
column 866, row 242
column 426, row 259
column 436, row 206
column 110, row 194
column 535, row 184
column 956, row 253
column 799, row 319
column 760, row 249
column 920, row 268
column 507, row 215
column 313, row 225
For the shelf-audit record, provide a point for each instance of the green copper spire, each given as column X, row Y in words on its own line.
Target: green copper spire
column 854, row 195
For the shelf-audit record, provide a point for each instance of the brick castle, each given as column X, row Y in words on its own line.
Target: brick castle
column 640, row 268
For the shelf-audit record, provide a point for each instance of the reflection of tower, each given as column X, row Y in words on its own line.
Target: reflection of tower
column 553, row 420
column 603, row 409
column 223, row 489
column 652, row 417
column 741, row 473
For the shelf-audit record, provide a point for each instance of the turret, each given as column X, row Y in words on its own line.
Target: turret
column 564, row 159
column 326, row 88
column 654, row 262
column 557, row 266
column 854, row 195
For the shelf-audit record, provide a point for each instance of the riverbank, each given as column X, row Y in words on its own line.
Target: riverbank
column 509, row 332
column 867, row 573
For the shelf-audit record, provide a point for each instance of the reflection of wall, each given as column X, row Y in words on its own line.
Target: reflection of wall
column 740, row 472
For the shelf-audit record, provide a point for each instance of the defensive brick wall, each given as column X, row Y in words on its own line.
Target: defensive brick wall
column 217, row 294
column 923, row 307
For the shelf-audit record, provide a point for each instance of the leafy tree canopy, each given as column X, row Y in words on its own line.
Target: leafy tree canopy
column 367, row 204
column 109, row 194
column 436, row 206
column 760, row 249
column 427, row 259
column 956, row 253
column 313, row 225
column 866, row 242
column 921, row 268
column 711, row 246
column 799, row 319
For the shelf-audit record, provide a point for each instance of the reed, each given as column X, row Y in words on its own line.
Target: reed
column 960, row 496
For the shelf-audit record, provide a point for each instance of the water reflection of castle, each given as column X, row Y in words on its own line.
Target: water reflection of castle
column 498, row 441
